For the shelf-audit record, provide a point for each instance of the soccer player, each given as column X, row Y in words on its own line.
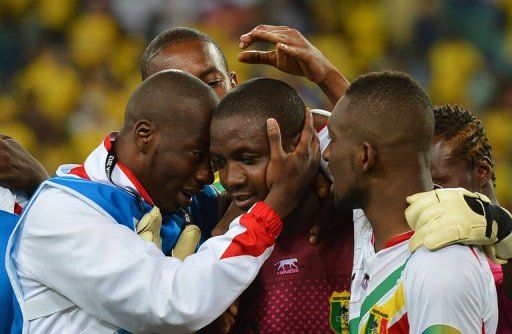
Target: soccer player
column 76, row 263
column 301, row 288
column 462, row 157
column 381, row 133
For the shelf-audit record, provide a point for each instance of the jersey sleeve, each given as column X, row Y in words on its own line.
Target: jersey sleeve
column 114, row 275
column 450, row 291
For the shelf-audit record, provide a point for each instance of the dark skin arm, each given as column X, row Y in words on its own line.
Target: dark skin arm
column 18, row 169
column 294, row 54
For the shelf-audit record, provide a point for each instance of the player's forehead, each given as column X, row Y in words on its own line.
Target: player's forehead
column 442, row 149
column 193, row 56
column 237, row 133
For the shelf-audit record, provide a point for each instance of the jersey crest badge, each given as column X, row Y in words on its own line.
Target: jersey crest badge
column 338, row 319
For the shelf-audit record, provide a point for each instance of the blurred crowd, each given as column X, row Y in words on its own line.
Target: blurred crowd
column 68, row 66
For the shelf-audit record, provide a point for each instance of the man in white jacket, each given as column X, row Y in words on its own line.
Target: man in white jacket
column 77, row 268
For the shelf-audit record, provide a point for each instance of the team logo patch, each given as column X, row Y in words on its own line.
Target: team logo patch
column 338, row 319
column 377, row 322
column 287, row 266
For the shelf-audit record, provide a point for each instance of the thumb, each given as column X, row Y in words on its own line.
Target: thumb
column 257, row 57
column 274, row 139
column 416, row 241
column 152, row 217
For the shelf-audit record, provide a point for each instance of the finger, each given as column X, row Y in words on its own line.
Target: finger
column 142, row 225
column 270, row 27
column 323, row 187
column 233, row 309
column 415, row 242
column 230, row 319
column 262, row 27
column 307, row 135
column 435, row 240
column 294, row 51
column 258, row 57
column 262, row 36
column 313, row 235
column 426, row 216
column 419, row 197
column 274, row 139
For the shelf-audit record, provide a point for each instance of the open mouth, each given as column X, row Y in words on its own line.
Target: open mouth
column 244, row 201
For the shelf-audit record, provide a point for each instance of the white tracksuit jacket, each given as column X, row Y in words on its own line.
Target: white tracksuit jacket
column 112, row 279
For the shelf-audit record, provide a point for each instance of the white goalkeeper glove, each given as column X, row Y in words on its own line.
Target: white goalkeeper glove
column 149, row 226
column 187, row 242
column 446, row 216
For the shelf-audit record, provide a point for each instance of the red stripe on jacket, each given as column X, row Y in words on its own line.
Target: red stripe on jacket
column 263, row 226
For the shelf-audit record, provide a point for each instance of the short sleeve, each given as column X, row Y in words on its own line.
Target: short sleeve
column 450, row 291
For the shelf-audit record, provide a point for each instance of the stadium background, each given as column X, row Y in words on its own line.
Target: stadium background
column 67, row 67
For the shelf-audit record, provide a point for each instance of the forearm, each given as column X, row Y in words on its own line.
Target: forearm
column 334, row 86
column 129, row 283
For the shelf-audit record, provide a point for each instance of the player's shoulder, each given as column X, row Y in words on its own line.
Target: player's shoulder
column 451, row 258
column 444, row 267
column 55, row 202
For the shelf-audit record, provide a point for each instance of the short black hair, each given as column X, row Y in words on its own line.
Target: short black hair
column 262, row 98
column 393, row 109
column 465, row 132
column 167, row 97
column 174, row 36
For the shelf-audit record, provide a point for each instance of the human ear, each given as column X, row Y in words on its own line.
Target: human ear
column 484, row 171
column 367, row 156
column 144, row 132
column 233, row 80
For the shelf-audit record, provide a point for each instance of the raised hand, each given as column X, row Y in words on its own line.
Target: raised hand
column 294, row 54
column 289, row 175
column 18, row 169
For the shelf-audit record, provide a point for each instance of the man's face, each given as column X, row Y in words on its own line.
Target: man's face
column 240, row 152
column 449, row 169
column 340, row 153
column 199, row 58
column 179, row 165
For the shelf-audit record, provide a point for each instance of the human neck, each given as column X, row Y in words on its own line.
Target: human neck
column 303, row 216
column 386, row 204
column 489, row 191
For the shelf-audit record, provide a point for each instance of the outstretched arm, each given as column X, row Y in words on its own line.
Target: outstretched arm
column 294, row 54
column 18, row 169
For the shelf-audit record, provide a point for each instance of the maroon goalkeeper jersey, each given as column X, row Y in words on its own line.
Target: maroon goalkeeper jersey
column 301, row 288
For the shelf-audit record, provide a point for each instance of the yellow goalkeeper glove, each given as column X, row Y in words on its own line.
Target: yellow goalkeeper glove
column 187, row 242
column 446, row 216
column 149, row 226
